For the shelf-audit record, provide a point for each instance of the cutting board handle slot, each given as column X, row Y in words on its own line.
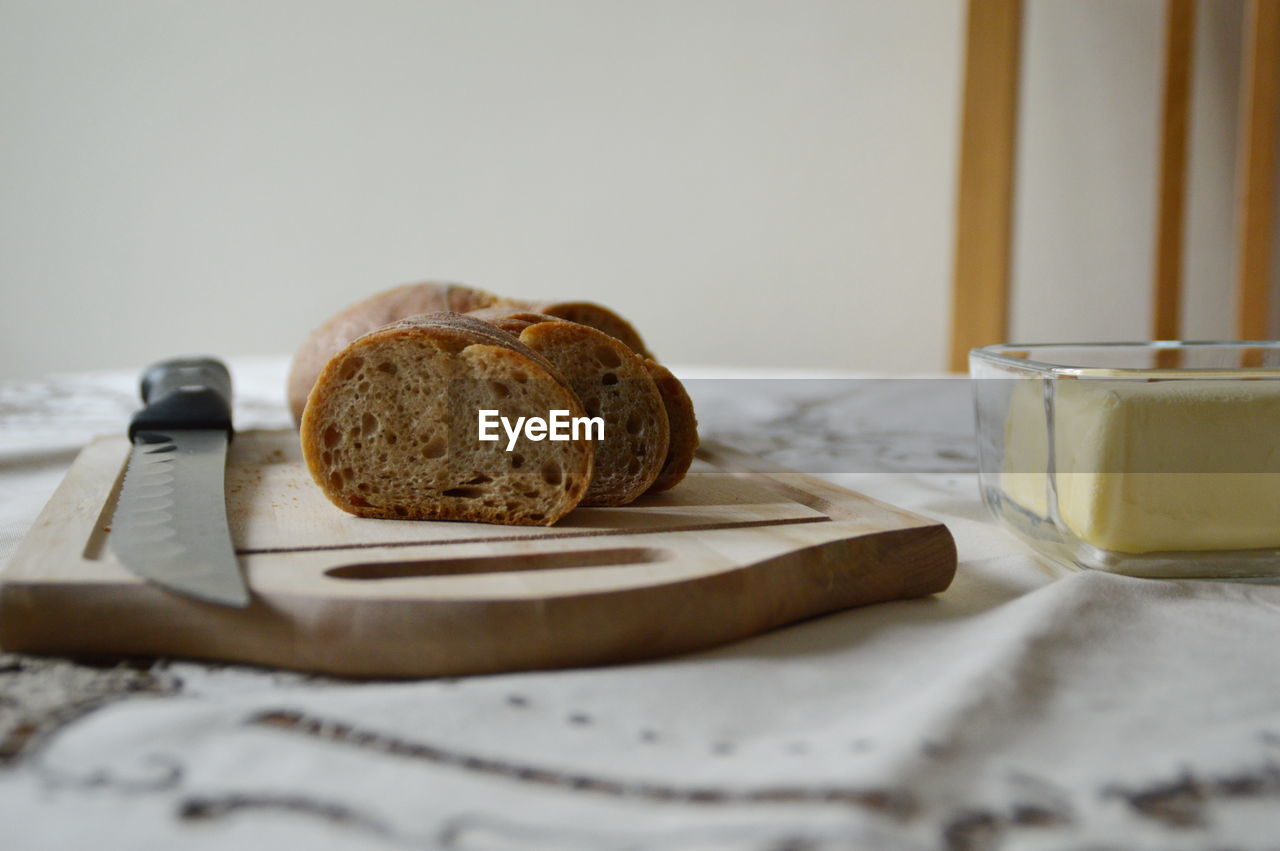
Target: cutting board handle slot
column 504, row 563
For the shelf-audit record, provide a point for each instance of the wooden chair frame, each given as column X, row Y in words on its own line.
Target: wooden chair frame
column 988, row 144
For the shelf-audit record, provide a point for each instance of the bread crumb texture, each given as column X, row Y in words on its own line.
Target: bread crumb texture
column 611, row 382
column 390, row 429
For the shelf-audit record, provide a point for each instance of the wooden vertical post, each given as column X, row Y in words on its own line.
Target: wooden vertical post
column 984, row 202
column 1174, row 122
column 1260, row 99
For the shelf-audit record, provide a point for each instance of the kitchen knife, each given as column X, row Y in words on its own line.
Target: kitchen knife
column 170, row 523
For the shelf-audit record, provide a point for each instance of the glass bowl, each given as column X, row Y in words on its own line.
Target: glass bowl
column 1147, row 459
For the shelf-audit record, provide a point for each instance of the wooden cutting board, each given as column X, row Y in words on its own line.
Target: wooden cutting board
column 732, row 551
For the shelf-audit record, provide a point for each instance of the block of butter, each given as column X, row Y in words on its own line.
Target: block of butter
column 1142, row 466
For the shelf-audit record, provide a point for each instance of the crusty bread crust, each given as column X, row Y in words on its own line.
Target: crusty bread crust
column 364, row 316
column 590, row 314
column 431, row 297
column 511, row 320
column 612, row 382
column 683, row 425
column 389, row 429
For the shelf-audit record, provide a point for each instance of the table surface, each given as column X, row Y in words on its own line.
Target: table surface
column 1028, row 706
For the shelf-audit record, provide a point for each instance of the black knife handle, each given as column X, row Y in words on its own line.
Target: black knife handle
column 184, row 393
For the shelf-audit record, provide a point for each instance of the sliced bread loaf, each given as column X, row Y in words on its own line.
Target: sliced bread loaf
column 613, row 383
column 681, row 422
column 364, row 316
column 390, row 426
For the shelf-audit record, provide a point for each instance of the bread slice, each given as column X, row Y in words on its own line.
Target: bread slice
column 612, row 382
column 682, row 424
column 374, row 312
column 390, row 427
column 586, row 313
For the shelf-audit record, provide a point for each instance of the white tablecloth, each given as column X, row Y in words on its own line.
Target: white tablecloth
column 1026, row 707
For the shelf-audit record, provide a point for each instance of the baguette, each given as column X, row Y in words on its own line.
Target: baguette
column 389, row 428
column 429, row 297
column 612, row 382
column 364, row 316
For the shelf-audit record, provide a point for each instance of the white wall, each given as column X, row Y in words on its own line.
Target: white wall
column 753, row 182
column 1087, row 172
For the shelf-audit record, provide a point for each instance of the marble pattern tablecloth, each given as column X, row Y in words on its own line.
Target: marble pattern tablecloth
column 1026, row 707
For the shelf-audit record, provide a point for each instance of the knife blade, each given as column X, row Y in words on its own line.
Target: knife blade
column 170, row 522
